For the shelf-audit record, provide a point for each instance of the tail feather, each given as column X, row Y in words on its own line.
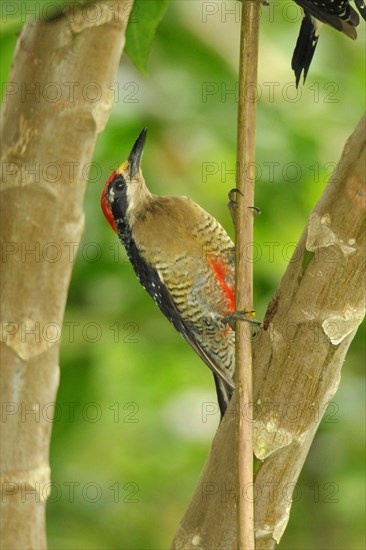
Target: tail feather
column 305, row 47
column 339, row 15
column 224, row 393
column 334, row 13
column 361, row 8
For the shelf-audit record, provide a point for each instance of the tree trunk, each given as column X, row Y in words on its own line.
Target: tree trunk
column 298, row 356
column 57, row 100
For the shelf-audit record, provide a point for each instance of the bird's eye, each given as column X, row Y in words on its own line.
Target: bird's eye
column 120, row 182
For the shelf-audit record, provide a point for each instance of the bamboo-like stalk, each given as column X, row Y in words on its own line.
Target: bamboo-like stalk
column 249, row 41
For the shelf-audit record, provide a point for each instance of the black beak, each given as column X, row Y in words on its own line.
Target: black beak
column 134, row 159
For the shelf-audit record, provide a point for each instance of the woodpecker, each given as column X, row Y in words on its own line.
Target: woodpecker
column 336, row 13
column 183, row 258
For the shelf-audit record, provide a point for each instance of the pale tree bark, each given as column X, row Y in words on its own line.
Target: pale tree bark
column 298, row 355
column 58, row 99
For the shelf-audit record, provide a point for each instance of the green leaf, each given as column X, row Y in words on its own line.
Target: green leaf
column 143, row 22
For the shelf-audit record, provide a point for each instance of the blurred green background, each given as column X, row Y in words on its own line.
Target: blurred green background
column 129, row 440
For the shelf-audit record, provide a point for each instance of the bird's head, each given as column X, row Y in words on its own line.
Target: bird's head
column 125, row 185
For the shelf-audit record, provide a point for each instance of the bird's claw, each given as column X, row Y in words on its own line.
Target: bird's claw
column 245, row 315
column 232, row 195
column 256, row 210
column 233, row 204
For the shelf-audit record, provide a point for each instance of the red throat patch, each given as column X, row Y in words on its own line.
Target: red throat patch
column 106, row 207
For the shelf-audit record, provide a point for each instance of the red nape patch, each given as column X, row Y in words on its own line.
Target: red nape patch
column 111, row 177
column 221, row 270
column 106, row 207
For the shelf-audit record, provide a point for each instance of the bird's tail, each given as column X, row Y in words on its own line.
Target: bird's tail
column 361, row 8
column 305, row 47
column 224, row 393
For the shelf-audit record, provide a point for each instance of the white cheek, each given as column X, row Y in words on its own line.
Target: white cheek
column 111, row 195
column 132, row 200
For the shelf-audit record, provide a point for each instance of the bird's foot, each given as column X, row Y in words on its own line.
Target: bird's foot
column 233, row 204
column 245, row 315
column 256, row 210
